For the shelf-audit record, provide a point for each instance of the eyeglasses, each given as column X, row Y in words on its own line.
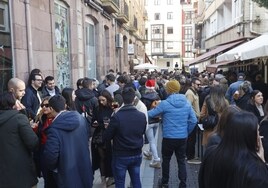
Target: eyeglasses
column 44, row 105
column 39, row 80
column 198, row 84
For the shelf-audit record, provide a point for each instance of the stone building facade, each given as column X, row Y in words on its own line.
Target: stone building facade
column 69, row 39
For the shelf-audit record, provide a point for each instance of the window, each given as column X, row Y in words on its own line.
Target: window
column 169, row 45
column 157, row 16
column 168, row 64
column 170, row 15
column 170, row 30
column 156, row 44
column 237, row 10
column 188, row 49
column 62, row 45
column 157, row 47
column 188, row 17
column 157, row 31
column 188, row 33
column 156, row 2
column 4, row 17
column 170, row 2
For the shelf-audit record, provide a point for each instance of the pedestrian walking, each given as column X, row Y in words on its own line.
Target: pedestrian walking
column 179, row 120
column 126, row 129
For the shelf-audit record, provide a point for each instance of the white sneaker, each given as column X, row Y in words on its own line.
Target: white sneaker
column 194, row 161
column 110, row 181
column 148, row 155
column 155, row 164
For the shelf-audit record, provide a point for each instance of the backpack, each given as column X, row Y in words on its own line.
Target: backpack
column 211, row 120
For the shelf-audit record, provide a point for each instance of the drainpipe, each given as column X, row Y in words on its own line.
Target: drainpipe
column 251, row 19
column 10, row 5
column 29, row 35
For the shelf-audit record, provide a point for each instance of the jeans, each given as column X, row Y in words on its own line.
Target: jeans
column 150, row 133
column 169, row 146
column 131, row 164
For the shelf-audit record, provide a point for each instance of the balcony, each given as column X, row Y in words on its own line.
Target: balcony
column 132, row 29
column 123, row 16
column 145, row 15
column 110, row 6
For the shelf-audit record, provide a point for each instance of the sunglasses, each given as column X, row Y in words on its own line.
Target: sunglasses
column 44, row 105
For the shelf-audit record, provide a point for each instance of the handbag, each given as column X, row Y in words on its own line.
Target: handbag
column 211, row 120
column 97, row 137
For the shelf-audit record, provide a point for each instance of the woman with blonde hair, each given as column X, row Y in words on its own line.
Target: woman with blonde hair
column 44, row 120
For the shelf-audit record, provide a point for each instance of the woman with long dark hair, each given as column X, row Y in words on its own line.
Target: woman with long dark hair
column 264, row 131
column 218, row 133
column 255, row 104
column 102, row 151
column 215, row 102
column 69, row 95
column 238, row 161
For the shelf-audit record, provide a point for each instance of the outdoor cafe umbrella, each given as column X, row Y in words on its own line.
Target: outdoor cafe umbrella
column 145, row 66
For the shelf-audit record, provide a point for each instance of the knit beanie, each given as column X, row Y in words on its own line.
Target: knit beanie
column 150, row 84
column 173, row 86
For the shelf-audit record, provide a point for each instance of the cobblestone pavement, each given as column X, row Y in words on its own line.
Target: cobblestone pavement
column 192, row 171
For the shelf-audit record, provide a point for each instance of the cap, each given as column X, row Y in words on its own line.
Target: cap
column 173, row 86
column 150, row 84
column 241, row 76
column 218, row 77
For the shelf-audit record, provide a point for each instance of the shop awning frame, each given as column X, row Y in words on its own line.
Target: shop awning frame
column 255, row 48
column 215, row 51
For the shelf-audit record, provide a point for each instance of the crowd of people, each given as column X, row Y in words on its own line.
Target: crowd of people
column 65, row 134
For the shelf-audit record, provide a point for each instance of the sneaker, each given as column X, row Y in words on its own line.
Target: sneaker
column 148, row 155
column 194, row 161
column 155, row 164
column 162, row 185
column 110, row 181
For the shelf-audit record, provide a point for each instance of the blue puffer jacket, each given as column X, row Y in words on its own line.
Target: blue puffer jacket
column 67, row 151
column 178, row 116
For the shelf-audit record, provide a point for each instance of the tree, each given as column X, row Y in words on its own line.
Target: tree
column 262, row 3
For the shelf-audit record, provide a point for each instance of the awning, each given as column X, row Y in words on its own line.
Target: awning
column 256, row 48
column 216, row 50
column 213, row 67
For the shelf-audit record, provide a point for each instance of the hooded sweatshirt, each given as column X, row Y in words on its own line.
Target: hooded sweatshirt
column 85, row 100
column 67, row 150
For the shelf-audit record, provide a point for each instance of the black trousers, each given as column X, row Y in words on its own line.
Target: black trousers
column 177, row 146
column 191, row 141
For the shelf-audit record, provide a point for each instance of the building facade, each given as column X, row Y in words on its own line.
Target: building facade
column 164, row 33
column 220, row 25
column 69, row 39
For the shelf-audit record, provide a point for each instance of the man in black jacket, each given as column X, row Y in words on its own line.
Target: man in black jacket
column 85, row 101
column 32, row 100
column 50, row 89
column 126, row 129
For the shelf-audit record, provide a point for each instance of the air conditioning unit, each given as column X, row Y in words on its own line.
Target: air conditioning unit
column 119, row 40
